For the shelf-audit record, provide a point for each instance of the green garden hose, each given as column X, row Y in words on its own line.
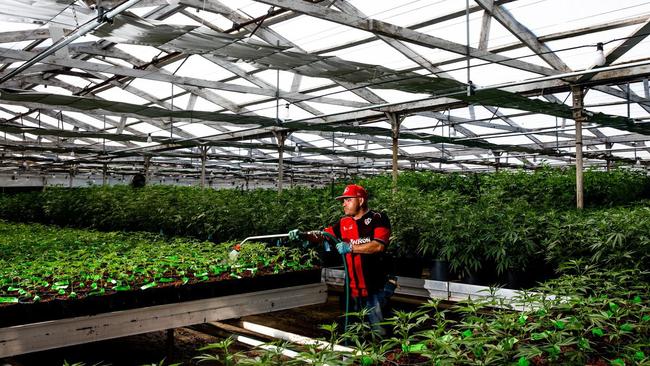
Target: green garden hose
column 335, row 241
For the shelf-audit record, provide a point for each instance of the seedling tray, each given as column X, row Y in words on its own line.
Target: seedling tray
column 59, row 308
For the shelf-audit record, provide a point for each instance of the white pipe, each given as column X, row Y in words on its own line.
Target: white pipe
column 79, row 32
column 293, row 338
column 269, row 347
column 264, row 237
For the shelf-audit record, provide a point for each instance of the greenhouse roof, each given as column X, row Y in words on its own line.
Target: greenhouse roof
column 320, row 89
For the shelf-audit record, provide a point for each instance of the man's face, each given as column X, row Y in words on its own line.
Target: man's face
column 352, row 205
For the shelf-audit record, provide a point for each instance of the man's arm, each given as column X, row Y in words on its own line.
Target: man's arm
column 368, row 248
column 314, row 237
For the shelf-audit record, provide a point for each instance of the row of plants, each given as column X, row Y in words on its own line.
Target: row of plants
column 216, row 215
column 602, row 317
column 41, row 263
column 230, row 214
column 516, row 235
column 433, row 216
column 545, row 188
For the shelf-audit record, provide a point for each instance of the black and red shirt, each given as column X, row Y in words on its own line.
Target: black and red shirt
column 367, row 272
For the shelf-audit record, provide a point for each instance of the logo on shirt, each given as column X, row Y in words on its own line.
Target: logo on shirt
column 359, row 241
column 349, row 227
column 367, row 221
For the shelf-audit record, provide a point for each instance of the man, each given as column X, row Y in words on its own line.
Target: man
column 364, row 235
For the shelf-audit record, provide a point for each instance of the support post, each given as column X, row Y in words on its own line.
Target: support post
column 579, row 117
column 204, row 156
column 608, row 146
column 395, row 122
column 170, row 343
column 145, row 165
column 281, row 137
column 104, row 171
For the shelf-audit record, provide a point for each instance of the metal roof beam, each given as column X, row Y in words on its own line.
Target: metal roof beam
column 404, row 34
column 523, row 34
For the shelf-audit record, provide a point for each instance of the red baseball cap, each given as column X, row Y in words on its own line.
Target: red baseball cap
column 353, row 190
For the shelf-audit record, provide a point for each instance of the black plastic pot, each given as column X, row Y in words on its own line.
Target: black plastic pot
column 407, row 266
column 536, row 272
column 484, row 276
column 439, row 270
column 517, row 279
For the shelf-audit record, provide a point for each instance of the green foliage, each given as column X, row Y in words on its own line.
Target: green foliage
column 39, row 262
column 613, row 238
column 587, row 316
column 512, row 219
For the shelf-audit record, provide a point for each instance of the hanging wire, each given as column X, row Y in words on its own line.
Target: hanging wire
column 469, row 59
column 171, row 118
column 104, row 132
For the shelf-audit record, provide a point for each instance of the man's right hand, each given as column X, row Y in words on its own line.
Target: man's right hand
column 295, row 235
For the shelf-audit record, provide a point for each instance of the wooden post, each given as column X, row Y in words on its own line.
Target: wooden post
column 579, row 117
column 170, row 343
column 497, row 160
column 608, row 146
column 104, row 171
column 204, row 156
column 395, row 122
column 281, row 137
column 145, row 165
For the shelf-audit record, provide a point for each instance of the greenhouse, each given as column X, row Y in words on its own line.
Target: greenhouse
column 325, row 182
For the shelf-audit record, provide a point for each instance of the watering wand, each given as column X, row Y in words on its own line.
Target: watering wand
column 235, row 252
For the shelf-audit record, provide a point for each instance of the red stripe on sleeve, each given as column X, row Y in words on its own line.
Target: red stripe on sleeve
column 382, row 234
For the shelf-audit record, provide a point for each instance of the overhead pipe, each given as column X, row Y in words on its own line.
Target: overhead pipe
column 89, row 26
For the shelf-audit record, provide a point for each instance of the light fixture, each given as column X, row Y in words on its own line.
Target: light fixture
column 286, row 112
column 149, row 139
column 296, row 149
column 599, row 58
column 72, row 154
column 452, row 130
column 471, row 88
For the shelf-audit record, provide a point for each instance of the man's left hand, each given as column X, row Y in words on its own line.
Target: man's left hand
column 294, row 235
column 344, row 248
